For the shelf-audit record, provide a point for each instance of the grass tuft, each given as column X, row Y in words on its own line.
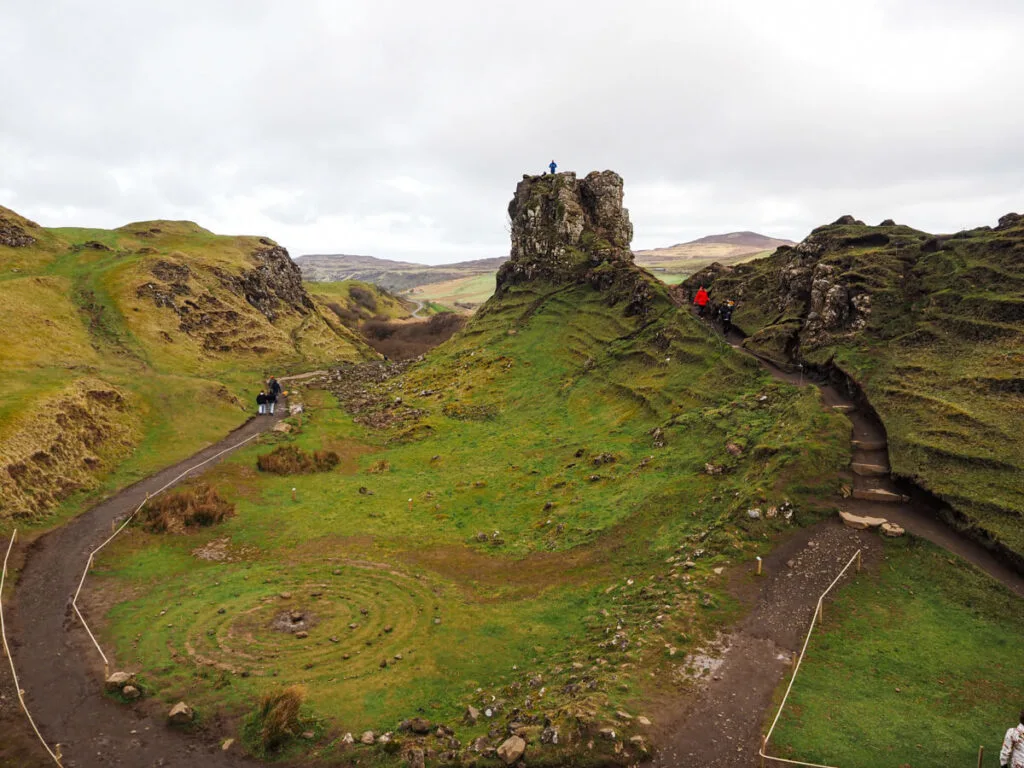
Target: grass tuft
column 197, row 507
column 290, row 460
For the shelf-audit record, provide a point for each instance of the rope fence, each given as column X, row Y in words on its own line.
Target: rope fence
column 92, row 555
column 14, row 673
column 819, row 614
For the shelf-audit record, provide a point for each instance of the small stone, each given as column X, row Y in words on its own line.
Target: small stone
column 130, row 692
column 511, row 750
column 623, row 715
column 420, row 725
column 118, row 680
column 608, row 733
column 437, row 621
column 388, row 629
column 181, row 714
column 335, row 639
column 302, row 635
column 472, row 715
column 367, row 737
column 643, row 721
column 308, row 735
column 383, row 663
column 892, row 530
column 227, row 744
column 416, row 758
column 398, row 657
column 348, row 739
column 353, row 625
column 285, row 595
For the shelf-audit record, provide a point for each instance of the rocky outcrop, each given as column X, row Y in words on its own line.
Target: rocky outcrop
column 12, row 230
column 275, row 281
column 566, row 230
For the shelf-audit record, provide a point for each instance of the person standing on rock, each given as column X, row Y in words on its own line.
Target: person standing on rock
column 701, row 300
column 1012, row 754
column 261, row 402
column 553, row 166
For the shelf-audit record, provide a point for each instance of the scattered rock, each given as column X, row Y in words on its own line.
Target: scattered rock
column 181, row 714
column 130, row 692
column 368, row 737
column 511, row 750
column 348, row 739
column 302, row 635
column 892, row 530
column 754, row 514
column 308, row 735
column 607, row 733
column 420, row 725
column 283, row 426
column 860, row 523
column 118, row 680
column 416, row 758
column 227, row 744
column 713, row 469
column 472, row 715
column 643, row 721
column 734, row 449
column 623, row 715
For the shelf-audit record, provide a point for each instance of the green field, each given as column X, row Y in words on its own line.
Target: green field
column 917, row 665
column 511, row 531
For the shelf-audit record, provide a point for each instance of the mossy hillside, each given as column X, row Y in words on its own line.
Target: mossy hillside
column 540, row 560
column 939, row 356
column 365, row 301
column 917, row 663
column 73, row 312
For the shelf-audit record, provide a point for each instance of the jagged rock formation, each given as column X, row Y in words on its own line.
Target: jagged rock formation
column 930, row 327
column 566, row 230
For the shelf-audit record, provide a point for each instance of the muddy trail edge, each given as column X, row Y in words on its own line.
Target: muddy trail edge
column 59, row 668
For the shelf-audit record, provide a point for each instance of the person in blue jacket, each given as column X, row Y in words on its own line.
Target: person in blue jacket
column 553, row 167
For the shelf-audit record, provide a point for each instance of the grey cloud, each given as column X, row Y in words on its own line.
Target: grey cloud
column 296, row 120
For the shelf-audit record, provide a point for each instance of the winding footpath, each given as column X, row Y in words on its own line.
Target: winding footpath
column 60, row 670
column 722, row 726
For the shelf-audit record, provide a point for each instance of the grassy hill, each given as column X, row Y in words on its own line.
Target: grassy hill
column 932, row 327
column 496, row 510
column 395, row 276
column 127, row 348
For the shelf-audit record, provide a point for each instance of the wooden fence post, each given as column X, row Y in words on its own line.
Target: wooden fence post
column 981, row 755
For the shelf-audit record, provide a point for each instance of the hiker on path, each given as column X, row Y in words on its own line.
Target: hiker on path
column 273, row 391
column 1012, row 754
column 261, row 402
column 701, row 300
column 725, row 313
column 553, row 166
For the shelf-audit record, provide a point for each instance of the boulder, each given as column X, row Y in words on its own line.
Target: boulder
column 511, row 750
column 860, row 523
column 118, row 680
column 416, row 758
column 892, row 530
column 181, row 714
column 420, row 725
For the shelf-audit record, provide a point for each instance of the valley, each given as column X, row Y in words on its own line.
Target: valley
column 535, row 541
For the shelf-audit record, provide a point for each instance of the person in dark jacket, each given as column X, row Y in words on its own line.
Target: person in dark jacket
column 261, row 402
column 553, row 166
column 725, row 313
column 274, row 387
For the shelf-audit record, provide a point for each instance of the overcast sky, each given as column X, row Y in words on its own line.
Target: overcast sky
column 399, row 128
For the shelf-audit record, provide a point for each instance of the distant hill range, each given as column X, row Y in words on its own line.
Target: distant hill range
column 395, row 276
column 683, row 259
column 464, row 285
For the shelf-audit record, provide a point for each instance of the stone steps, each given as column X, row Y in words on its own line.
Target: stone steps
column 869, row 445
column 869, row 470
column 880, row 495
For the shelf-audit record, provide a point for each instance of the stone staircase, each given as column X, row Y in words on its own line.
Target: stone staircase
column 870, row 465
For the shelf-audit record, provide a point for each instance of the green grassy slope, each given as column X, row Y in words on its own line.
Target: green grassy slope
column 353, row 301
column 502, row 507
column 127, row 349
column 917, row 665
column 939, row 350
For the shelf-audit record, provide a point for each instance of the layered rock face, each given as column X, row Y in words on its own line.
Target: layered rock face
column 569, row 230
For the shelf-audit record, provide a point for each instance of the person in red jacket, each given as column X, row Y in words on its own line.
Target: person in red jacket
column 701, row 300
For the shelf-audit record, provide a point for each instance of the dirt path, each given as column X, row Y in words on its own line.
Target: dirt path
column 723, row 727
column 61, row 671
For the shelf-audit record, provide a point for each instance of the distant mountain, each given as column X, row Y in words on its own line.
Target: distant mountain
column 675, row 262
column 392, row 275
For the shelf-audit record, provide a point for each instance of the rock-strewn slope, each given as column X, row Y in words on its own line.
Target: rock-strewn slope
column 931, row 326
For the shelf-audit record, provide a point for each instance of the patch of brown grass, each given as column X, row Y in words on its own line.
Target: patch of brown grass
column 289, row 460
column 195, row 507
column 408, row 340
column 278, row 717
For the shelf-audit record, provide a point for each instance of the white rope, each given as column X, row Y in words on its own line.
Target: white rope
column 10, row 658
column 817, row 612
column 88, row 565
